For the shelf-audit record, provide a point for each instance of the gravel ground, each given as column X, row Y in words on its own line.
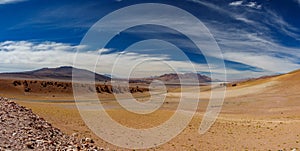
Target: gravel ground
column 21, row 129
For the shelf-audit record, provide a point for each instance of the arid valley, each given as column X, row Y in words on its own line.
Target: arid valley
column 258, row 114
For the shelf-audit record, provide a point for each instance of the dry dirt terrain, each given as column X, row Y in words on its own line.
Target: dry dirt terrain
column 261, row 114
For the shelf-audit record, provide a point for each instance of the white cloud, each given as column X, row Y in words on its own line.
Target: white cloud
column 253, row 5
column 236, row 3
column 298, row 1
column 25, row 55
column 246, row 4
column 28, row 53
column 10, row 1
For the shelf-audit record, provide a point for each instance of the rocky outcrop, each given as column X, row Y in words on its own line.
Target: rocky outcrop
column 53, row 87
column 21, row 129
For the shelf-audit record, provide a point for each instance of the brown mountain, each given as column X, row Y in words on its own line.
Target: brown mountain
column 173, row 78
column 60, row 73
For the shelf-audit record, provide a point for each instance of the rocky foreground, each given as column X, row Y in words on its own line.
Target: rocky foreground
column 21, row 129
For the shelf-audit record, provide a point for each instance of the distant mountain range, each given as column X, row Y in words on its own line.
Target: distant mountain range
column 65, row 73
column 60, row 73
column 173, row 78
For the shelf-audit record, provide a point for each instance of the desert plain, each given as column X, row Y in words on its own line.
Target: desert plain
column 257, row 114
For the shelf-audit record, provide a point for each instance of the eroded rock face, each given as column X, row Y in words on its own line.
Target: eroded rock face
column 21, row 129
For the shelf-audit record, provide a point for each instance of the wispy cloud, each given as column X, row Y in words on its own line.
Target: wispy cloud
column 244, row 19
column 263, row 20
column 57, row 18
column 264, row 61
column 253, row 43
column 232, row 14
column 253, row 4
column 276, row 21
column 256, row 50
column 10, row 1
column 212, row 6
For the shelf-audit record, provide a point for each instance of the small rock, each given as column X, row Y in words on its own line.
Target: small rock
column 30, row 145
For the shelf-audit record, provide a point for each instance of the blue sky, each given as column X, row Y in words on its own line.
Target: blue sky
column 257, row 37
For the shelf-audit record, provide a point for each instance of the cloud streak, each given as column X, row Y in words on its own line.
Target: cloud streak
column 2, row 2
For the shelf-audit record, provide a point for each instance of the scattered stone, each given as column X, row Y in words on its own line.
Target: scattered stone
column 21, row 129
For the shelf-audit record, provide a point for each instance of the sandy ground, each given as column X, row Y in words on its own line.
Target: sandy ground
column 256, row 115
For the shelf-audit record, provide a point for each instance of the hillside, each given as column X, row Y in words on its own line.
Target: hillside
column 290, row 79
column 280, row 91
